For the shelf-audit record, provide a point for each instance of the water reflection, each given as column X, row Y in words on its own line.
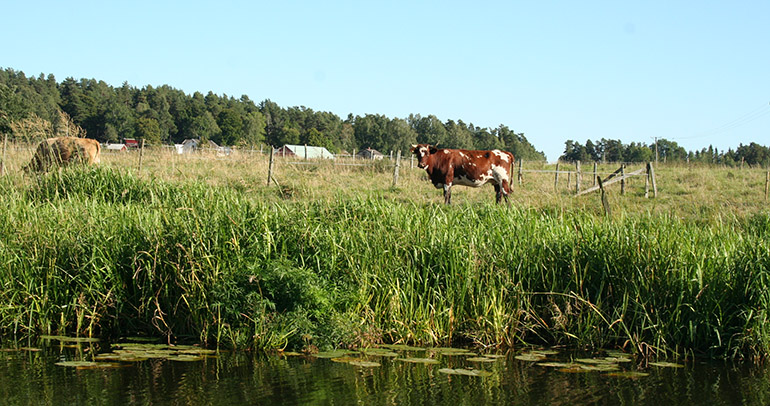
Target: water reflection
column 31, row 377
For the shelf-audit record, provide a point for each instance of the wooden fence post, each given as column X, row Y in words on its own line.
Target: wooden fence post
column 622, row 179
column 767, row 183
column 605, row 202
column 5, row 147
column 647, row 183
column 521, row 162
column 556, row 178
column 141, row 155
column 651, row 179
column 395, row 169
column 270, row 167
column 594, row 177
column 577, row 177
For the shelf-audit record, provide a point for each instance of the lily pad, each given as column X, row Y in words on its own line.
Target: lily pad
column 333, row 354
column 619, row 354
column 666, row 365
column 574, row 370
column 451, row 351
column 185, row 358
column 77, row 364
column 418, row 360
column 379, row 352
column 466, row 372
column 530, row 357
column 365, row 364
column 594, row 361
column 401, row 347
column 557, row 364
column 198, row 351
column 346, row 359
column 102, row 365
column 481, row 359
column 619, row 360
column 599, row 367
column 545, row 352
column 628, row 374
column 71, row 339
column 142, row 339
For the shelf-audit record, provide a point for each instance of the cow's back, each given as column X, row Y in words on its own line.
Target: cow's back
column 62, row 151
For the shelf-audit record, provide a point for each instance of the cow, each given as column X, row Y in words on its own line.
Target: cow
column 62, row 151
column 448, row 167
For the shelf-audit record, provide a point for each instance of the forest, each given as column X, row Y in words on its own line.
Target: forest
column 164, row 115
column 667, row 151
column 32, row 106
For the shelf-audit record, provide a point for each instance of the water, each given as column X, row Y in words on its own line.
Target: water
column 31, row 377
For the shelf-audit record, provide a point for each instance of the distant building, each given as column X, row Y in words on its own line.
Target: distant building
column 187, row 146
column 116, row 147
column 131, row 143
column 370, row 153
column 221, row 151
column 304, row 152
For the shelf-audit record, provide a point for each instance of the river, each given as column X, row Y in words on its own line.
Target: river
column 45, row 375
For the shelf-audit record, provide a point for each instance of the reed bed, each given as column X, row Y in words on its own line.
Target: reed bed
column 209, row 253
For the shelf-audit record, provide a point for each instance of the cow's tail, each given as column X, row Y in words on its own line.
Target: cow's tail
column 98, row 153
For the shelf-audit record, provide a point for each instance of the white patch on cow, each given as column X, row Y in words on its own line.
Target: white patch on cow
column 501, row 154
column 446, row 151
column 478, row 156
column 462, row 154
column 499, row 173
column 480, row 181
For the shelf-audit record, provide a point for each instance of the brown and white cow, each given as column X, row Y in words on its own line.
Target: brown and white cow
column 62, row 151
column 448, row 167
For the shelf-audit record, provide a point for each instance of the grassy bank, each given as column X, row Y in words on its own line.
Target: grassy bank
column 105, row 252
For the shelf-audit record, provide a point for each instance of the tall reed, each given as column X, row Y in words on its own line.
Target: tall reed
column 106, row 252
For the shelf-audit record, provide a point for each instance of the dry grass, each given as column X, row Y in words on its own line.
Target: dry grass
column 685, row 191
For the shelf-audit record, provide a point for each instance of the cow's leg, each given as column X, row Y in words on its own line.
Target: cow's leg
column 447, row 193
column 498, row 193
column 506, row 190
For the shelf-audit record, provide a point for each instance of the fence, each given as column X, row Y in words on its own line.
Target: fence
column 15, row 154
column 619, row 175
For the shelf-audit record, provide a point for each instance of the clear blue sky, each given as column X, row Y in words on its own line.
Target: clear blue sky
column 696, row 72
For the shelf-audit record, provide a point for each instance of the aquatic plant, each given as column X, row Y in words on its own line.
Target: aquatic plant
column 104, row 252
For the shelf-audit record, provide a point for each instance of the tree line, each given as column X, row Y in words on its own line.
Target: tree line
column 662, row 150
column 34, row 106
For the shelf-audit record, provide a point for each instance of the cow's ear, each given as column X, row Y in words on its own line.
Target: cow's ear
column 433, row 149
column 414, row 147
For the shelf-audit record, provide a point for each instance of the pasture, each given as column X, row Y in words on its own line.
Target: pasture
column 199, row 248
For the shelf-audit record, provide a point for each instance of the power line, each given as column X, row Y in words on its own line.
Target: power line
column 753, row 115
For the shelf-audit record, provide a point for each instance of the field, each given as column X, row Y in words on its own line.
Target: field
column 199, row 248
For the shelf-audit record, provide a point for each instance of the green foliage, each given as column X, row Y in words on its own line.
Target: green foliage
column 667, row 151
column 104, row 252
column 166, row 115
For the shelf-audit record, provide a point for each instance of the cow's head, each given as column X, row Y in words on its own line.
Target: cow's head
column 422, row 152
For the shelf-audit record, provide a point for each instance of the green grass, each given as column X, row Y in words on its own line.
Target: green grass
column 338, row 258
